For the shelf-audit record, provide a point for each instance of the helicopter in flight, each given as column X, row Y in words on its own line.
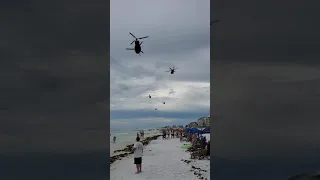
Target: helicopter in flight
column 172, row 70
column 163, row 102
column 213, row 22
column 137, row 46
column 149, row 96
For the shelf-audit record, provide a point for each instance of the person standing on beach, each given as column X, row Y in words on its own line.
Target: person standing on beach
column 137, row 153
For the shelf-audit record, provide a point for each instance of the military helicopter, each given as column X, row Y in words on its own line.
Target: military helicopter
column 149, row 96
column 213, row 22
column 172, row 70
column 137, row 47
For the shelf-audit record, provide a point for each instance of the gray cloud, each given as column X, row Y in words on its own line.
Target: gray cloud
column 178, row 36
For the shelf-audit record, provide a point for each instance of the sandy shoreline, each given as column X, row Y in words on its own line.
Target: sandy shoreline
column 122, row 153
column 163, row 159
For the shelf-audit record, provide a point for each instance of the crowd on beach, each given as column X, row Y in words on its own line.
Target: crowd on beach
column 196, row 143
column 197, row 140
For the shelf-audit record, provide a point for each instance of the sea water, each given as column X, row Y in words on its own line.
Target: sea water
column 126, row 137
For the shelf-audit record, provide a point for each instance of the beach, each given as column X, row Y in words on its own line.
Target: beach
column 125, row 138
column 162, row 159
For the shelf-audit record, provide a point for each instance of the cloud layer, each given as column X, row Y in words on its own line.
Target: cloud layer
column 178, row 36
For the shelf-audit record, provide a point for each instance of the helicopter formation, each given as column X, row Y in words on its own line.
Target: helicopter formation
column 138, row 50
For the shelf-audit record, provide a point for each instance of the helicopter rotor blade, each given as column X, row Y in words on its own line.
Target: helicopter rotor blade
column 143, row 37
column 141, row 42
column 142, row 52
column 129, row 49
column 132, row 35
column 132, row 42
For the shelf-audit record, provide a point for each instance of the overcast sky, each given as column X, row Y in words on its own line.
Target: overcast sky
column 179, row 35
column 266, row 89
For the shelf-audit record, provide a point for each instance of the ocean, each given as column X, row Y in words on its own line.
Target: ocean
column 126, row 137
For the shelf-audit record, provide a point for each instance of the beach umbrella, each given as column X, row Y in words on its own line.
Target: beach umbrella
column 206, row 131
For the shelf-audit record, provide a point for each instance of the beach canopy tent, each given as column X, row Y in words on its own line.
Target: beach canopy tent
column 206, row 130
column 193, row 130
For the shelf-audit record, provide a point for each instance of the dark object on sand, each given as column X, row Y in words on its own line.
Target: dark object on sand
column 137, row 47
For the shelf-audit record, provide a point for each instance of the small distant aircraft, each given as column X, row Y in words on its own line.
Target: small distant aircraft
column 149, row 96
column 164, row 102
column 172, row 70
column 137, row 47
column 213, row 22
column 155, row 109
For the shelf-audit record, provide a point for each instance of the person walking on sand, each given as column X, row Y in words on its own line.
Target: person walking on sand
column 137, row 154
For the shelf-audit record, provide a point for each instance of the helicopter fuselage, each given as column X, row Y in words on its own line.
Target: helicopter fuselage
column 137, row 47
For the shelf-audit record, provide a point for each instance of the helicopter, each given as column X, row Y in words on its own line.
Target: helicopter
column 137, row 47
column 163, row 102
column 149, row 96
column 155, row 109
column 172, row 70
column 213, row 22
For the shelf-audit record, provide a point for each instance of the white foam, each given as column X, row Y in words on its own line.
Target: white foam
column 161, row 160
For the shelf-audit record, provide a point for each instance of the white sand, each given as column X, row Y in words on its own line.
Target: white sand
column 161, row 160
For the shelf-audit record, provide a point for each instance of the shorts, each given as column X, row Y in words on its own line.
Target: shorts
column 138, row 160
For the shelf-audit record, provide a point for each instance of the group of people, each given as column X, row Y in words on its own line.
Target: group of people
column 168, row 134
column 197, row 139
column 141, row 134
column 172, row 133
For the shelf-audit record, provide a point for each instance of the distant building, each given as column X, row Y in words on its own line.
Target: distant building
column 193, row 125
column 204, row 122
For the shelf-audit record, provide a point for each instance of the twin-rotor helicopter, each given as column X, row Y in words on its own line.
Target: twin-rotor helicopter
column 172, row 70
column 137, row 46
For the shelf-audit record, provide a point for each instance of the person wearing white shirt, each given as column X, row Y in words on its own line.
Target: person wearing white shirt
column 137, row 153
